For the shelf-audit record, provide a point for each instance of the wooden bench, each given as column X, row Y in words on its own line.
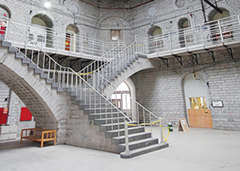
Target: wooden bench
column 39, row 135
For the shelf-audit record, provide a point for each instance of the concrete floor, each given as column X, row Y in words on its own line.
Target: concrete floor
column 197, row 150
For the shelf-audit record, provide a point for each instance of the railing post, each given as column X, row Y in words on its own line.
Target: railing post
column 201, row 32
column 127, row 151
column 220, row 31
column 170, row 42
column 7, row 28
column 185, row 39
column 161, row 133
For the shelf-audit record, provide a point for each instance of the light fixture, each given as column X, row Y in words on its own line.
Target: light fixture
column 47, row 4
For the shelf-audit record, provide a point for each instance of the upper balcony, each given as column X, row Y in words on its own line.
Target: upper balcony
column 39, row 38
column 207, row 37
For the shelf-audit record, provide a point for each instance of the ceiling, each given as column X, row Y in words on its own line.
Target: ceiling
column 116, row 4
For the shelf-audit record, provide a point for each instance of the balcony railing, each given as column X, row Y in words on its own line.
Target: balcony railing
column 50, row 41
column 223, row 32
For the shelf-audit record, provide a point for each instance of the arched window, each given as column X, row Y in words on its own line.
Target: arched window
column 121, row 97
column 4, row 15
column 155, row 39
column 71, row 37
column 154, row 31
column 182, row 25
column 41, row 32
column 215, row 15
column 226, row 29
column 196, row 98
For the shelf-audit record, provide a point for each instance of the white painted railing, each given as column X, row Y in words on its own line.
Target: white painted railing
column 66, row 79
column 223, row 32
column 51, row 41
column 99, row 74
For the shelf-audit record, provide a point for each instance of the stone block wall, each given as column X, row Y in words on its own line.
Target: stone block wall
column 161, row 90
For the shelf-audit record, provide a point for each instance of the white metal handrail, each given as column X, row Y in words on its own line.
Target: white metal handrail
column 134, row 101
column 51, row 41
column 225, row 31
column 116, row 62
column 66, row 78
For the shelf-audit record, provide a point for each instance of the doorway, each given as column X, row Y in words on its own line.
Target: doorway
column 195, row 90
column 182, row 25
column 71, row 37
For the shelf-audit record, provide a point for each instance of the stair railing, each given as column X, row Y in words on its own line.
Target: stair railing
column 145, row 117
column 115, row 63
column 106, row 58
column 66, row 79
column 222, row 32
column 51, row 41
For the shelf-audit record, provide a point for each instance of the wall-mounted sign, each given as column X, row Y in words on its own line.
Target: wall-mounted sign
column 217, row 103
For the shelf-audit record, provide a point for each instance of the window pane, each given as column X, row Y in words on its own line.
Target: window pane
column 115, row 34
column 126, row 101
column 198, row 103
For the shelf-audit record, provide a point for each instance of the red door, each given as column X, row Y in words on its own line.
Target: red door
column 3, row 117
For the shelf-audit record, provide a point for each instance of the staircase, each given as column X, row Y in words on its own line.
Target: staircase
column 100, row 112
column 116, row 68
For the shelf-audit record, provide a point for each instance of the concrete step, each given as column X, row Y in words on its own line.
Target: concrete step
column 131, row 137
column 92, row 116
column 99, row 110
column 49, row 80
column 55, row 85
column 43, row 75
column 6, row 44
column 138, row 144
column 144, row 150
column 108, row 127
column 119, row 134
column 1, row 37
column 108, row 120
column 32, row 66
column 39, row 71
column 26, row 60
column 61, row 89
column 93, row 105
column 12, row 49
column 19, row 55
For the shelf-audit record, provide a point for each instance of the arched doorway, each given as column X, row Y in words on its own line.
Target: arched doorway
column 195, row 90
column 215, row 15
column 121, row 98
column 226, row 29
column 71, row 37
column 182, row 25
column 41, row 32
column 155, row 39
column 4, row 15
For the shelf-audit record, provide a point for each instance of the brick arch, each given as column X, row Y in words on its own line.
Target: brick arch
column 47, row 106
column 201, row 72
column 42, row 12
column 9, row 7
column 223, row 5
column 106, row 16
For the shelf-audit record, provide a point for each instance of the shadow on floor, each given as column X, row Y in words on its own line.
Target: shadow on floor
column 7, row 145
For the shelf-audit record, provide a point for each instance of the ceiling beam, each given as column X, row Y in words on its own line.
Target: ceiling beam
column 213, row 6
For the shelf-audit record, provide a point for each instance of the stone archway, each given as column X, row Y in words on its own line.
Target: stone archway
column 215, row 15
column 154, row 39
column 41, row 32
column 48, row 107
column 196, row 99
column 71, row 38
column 183, row 23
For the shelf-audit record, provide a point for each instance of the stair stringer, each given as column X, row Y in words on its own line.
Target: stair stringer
column 44, row 102
column 141, row 64
column 82, row 132
column 51, row 106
